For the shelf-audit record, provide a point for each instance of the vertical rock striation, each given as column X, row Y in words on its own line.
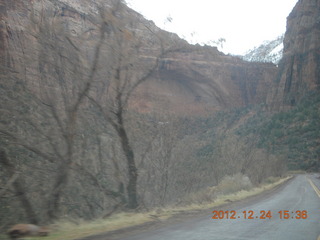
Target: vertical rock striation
column 299, row 69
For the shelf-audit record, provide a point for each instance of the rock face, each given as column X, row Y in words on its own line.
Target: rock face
column 299, row 70
column 199, row 79
column 194, row 79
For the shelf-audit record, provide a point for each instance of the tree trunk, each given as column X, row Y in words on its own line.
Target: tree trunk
column 19, row 189
column 54, row 201
column 132, row 170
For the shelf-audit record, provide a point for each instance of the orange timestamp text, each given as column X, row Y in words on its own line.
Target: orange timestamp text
column 263, row 214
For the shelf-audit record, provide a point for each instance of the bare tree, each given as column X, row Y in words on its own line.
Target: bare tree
column 128, row 69
column 50, row 126
column 47, row 118
column 155, row 162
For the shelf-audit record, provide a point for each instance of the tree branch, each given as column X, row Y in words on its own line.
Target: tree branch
column 28, row 147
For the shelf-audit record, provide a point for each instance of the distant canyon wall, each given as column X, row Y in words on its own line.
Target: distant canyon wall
column 194, row 79
column 199, row 79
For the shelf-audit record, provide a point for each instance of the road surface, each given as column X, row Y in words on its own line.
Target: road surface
column 298, row 201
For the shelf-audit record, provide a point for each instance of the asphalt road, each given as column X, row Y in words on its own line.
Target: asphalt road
column 297, row 196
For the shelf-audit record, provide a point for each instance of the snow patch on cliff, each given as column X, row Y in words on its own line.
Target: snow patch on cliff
column 268, row 51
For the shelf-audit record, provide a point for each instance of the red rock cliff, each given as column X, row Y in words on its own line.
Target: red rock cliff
column 193, row 78
column 299, row 70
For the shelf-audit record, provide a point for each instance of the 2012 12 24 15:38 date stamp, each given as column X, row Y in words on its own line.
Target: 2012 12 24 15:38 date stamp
column 262, row 214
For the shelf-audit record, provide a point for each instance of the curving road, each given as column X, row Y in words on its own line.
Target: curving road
column 301, row 194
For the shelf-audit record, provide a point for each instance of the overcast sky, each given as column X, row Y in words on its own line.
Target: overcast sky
column 243, row 23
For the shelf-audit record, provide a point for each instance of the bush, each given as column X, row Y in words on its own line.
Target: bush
column 235, row 183
column 271, row 180
column 203, row 196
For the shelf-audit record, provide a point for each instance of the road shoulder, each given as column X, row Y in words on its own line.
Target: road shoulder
column 182, row 216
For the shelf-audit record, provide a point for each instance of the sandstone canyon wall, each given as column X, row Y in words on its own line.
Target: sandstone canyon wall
column 299, row 70
column 194, row 79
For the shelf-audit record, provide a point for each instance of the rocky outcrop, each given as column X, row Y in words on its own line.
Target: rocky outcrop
column 200, row 79
column 299, row 69
column 194, row 78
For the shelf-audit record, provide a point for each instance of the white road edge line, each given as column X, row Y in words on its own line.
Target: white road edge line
column 315, row 189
